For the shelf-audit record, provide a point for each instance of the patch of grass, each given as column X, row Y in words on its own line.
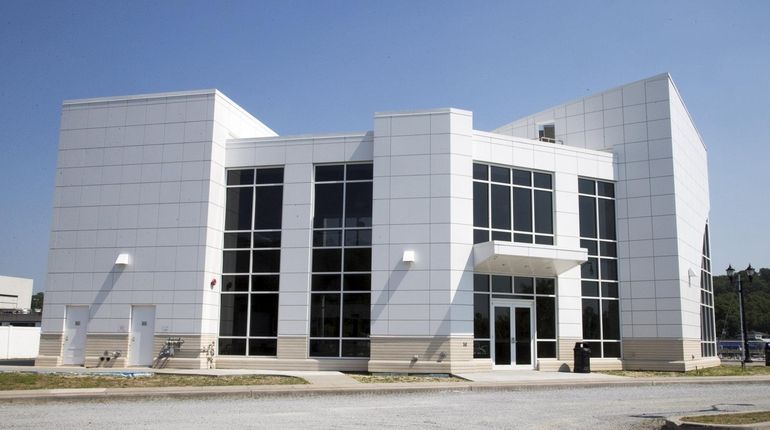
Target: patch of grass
column 39, row 381
column 710, row 371
column 401, row 378
column 731, row 418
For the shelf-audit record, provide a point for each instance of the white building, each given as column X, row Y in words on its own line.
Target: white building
column 15, row 293
column 421, row 246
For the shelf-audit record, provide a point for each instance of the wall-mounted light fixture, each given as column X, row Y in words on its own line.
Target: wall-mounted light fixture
column 123, row 260
column 408, row 257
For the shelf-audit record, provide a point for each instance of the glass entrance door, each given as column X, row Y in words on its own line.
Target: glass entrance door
column 513, row 335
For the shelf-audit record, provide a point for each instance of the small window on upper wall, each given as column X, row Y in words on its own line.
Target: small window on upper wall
column 546, row 133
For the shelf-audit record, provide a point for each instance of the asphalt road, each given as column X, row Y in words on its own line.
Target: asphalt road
column 577, row 408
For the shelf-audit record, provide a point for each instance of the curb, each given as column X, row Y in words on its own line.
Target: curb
column 263, row 391
column 676, row 423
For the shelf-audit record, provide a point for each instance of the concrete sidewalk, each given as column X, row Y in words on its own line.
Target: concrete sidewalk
column 328, row 382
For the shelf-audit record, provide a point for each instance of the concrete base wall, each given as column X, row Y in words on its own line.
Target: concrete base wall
column 665, row 355
column 50, row 353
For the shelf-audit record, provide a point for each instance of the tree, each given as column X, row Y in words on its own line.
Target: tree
column 37, row 301
column 756, row 299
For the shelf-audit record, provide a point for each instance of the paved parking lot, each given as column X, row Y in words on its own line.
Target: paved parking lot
column 578, row 408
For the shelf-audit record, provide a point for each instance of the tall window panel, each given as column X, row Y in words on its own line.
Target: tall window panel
column 251, row 261
column 708, row 344
column 599, row 275
column 540, row 290
column 342, row 261
column 512, row 205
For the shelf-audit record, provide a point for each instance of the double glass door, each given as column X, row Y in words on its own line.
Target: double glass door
column 512, row 328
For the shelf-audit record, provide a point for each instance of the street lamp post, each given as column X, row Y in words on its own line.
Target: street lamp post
column 750, row 274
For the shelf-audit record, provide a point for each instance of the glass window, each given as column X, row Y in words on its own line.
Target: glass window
column 522, row 209
column 609, row 269
column 355, row 315
column 522, row 177
column 265, row 282
column 327, row 260
column 545, row 308
column 606, row 189
column 480, row 205
column 480, row 236
column 601, row 310
column 358, row 172
column 355, row 348
column 590, row 288
column 522, row 238
column 329, row 173
column 590, row 245
column 358, row 237
column 481, row 315
column 263, row 346
column 612, row 349
column 240, row 177
column 522, row 285
column 266, row 261
column 237, row 240
column 324, row 238
column 264, row 315
column 233, row 314
column 542, row 180
column 357, row 282
column 328, row 205
column 543, row 212
column 249, row 302
column 238, row 211
column 481, row 283
column 610, row 289
column 235, row 261
column 500, row 174
column 270, row 176
column 546, row 349
column 267, row 239
column 324, row 348
column 233, row 283
column 358, row 260
column 611, row 319
column 590, row 269
column 544, row 240
column 325, row 282
column 341, row 263
column 480, row 171
column 587, row 216
column 501, row 284
column 546, row 286
column 325, row 315
column 608, row 249
column 358, row 204
column 501, row 235
column 232, row 346
column 606, row 219
column 501, row 207
column 591, row 329
column 268, row 207
column 586, row 186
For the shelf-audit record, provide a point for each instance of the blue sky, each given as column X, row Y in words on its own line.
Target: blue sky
column 319, row 66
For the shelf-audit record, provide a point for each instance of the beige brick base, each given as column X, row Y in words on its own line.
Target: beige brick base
column 440, row 354
column 50, row 352
column 665, row 355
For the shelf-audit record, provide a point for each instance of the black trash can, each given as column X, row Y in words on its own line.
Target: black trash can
column 582, row 358
column 767, row 354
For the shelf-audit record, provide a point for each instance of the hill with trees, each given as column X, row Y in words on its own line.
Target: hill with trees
column 756, row 297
